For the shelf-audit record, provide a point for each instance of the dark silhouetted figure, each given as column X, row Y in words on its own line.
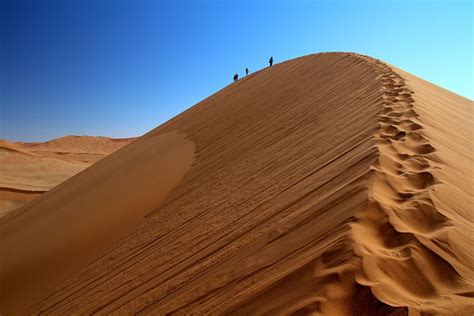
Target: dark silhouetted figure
column 246, row 71
column 236, row 77
column 271, row 61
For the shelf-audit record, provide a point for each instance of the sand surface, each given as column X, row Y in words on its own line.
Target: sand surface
column 29, row 169
column 42, row 243
column 331, row 184
column 78, row 148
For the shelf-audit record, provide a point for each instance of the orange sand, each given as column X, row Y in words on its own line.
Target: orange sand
column 78, row 148
column 331, row 184
column 29, row 169
column 96, row 208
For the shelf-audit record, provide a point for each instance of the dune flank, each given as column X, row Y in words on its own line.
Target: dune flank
column 61, row 231
column 331, row 184
column 29, row 169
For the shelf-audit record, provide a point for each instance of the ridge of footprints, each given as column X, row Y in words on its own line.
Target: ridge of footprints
column 406, row 159
column 392, row 233
column 400, row 227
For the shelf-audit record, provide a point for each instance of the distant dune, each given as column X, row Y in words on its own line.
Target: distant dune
column 331, row 184
column 78, row 148
column 30, row 169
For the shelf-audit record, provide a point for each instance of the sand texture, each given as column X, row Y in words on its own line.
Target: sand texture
column 29, row 169
column 331, row 184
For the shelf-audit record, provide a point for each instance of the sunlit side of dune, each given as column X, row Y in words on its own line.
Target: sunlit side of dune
column 415, row 235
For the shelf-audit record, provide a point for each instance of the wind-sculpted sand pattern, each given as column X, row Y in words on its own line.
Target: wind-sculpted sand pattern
column 316, row 188
column 402, row 236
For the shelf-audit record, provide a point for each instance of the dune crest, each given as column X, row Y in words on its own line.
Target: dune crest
column 404, row 233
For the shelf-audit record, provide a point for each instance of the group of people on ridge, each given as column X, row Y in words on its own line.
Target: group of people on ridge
column 236, row 75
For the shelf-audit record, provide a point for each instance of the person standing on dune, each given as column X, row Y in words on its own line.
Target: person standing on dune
column 271, row 61
column 246, row 71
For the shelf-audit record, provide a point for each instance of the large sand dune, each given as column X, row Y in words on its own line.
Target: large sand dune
column 330, row 184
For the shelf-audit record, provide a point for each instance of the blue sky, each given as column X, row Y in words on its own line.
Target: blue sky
column 121, row 68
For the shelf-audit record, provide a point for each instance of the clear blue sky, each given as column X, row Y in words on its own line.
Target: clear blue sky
column 121, row 68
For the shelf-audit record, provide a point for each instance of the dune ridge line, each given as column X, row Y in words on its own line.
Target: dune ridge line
column 393, row 232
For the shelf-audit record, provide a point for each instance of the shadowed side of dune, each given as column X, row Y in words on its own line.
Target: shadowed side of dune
column 60, row 232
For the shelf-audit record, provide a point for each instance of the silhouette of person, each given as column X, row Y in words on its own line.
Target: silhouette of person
column 236, row 76
column 246, row 71
column 271, row 61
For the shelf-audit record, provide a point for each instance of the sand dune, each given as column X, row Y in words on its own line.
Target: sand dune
column 415, row 234
column 11, row 199
column 29, row 169
column 88, row 213
column 78, row 148
column 331, row 184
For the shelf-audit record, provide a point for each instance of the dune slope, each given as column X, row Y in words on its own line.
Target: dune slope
column 416, row 233
column 320, row 185
column 63, row 230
